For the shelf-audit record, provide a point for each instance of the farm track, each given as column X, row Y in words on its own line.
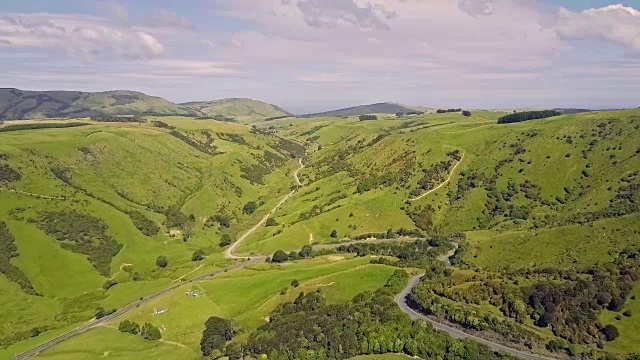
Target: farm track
column 248, row 261
column 453, row 171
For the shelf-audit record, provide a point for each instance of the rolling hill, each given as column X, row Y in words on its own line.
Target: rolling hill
column 20, row 104
column 237, row 109
column 379, row 108
column 541, row 205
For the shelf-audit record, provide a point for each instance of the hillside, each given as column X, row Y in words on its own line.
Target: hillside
column 545, row 214
column 380, row 108
column 19, row 104
column 236, row 109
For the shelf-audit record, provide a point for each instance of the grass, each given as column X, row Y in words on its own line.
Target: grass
column 122, row 167
column 247, row 296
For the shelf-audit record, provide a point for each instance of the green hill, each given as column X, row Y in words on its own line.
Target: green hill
column 543, row 209
column 19, row 104
column 380, row 108
column 236, row 109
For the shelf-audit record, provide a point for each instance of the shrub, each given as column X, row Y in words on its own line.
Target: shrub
column 295, row 283
column 271, row 222
column 466, row 113
column 225, row 240
column 279, row 257
column 627, row 313
column 610, row 332
column 162, row 261
column 198, row 255
column 250, row 207
column 334, row 234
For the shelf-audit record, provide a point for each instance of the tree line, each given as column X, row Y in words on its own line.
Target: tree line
column 527, row 115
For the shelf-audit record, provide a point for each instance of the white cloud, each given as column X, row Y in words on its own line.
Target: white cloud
column 615, row 23
column 82, row 37
column 160, row 18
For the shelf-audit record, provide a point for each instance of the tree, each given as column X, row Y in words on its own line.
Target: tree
column 306, row 251
column 610, row 332
column 279, row 257
column 198, row 255
column 162, row 261
column 466, row 113
column 150, row 332
column 295, row 283
column 250, row 207
column 225, row 240
column 368, row 117
column 216, row 333
column 334, row 234
column 271, row 222
column 100, row 313
column 130, row 327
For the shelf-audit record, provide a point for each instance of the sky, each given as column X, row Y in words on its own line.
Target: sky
column 314, row 55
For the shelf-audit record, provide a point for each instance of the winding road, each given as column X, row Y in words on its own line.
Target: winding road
column 248, row 261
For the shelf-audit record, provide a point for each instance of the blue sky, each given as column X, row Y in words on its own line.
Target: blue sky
column 311, row 55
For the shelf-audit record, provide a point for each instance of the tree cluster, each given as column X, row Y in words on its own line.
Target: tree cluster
column 147, row 331
column 81, row 233
column 444, row 111
column 308, row 328
column 217, row 331
column 33, row 126
column 8, row 250
column 7, row 174
column 118, row 118
column 367, row 117
column 527, row 115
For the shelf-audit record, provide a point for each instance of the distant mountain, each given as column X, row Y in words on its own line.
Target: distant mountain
column 18, row 104
column 379, row 108
column 240, row 109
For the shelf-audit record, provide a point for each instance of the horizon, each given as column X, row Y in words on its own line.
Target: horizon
column 309, row 56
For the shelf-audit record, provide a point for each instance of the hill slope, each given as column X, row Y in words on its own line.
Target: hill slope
column 18, row 104
column 236, row 108
column 379, row 108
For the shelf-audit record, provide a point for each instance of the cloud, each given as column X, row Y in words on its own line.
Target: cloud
column 114, row 12
column 616, row 23
column 81, row 37
column 163, row 18
column 477, row 7
column 335, row 13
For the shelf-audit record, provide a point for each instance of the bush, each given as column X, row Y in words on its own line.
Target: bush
column 225, row 240
column 162, row 261
column 466, row 113
column 295, row 283
column 627, row 313
column 279, row 257
column 271, row 222
column 198, row 255
column 334, row 234
column 250, row 207
column 610, row 332
column 150, row 332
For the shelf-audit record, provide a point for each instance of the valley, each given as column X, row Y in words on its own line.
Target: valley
column 515, row 208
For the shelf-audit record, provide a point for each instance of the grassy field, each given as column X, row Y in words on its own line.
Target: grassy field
column 247, row 296
column 115, row 168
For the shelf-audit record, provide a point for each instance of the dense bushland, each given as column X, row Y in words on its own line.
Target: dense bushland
column 8, row 250
column 81, row 233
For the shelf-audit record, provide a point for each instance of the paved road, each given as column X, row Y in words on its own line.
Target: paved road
column 401, row 300
column 248, row 261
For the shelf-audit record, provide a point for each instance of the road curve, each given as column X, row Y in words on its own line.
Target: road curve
column 442, row 184
column 229, row 253
column 401, row 300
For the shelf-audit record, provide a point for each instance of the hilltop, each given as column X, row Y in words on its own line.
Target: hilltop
column 379, row 108
column 18, row 104
column 237, row 109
